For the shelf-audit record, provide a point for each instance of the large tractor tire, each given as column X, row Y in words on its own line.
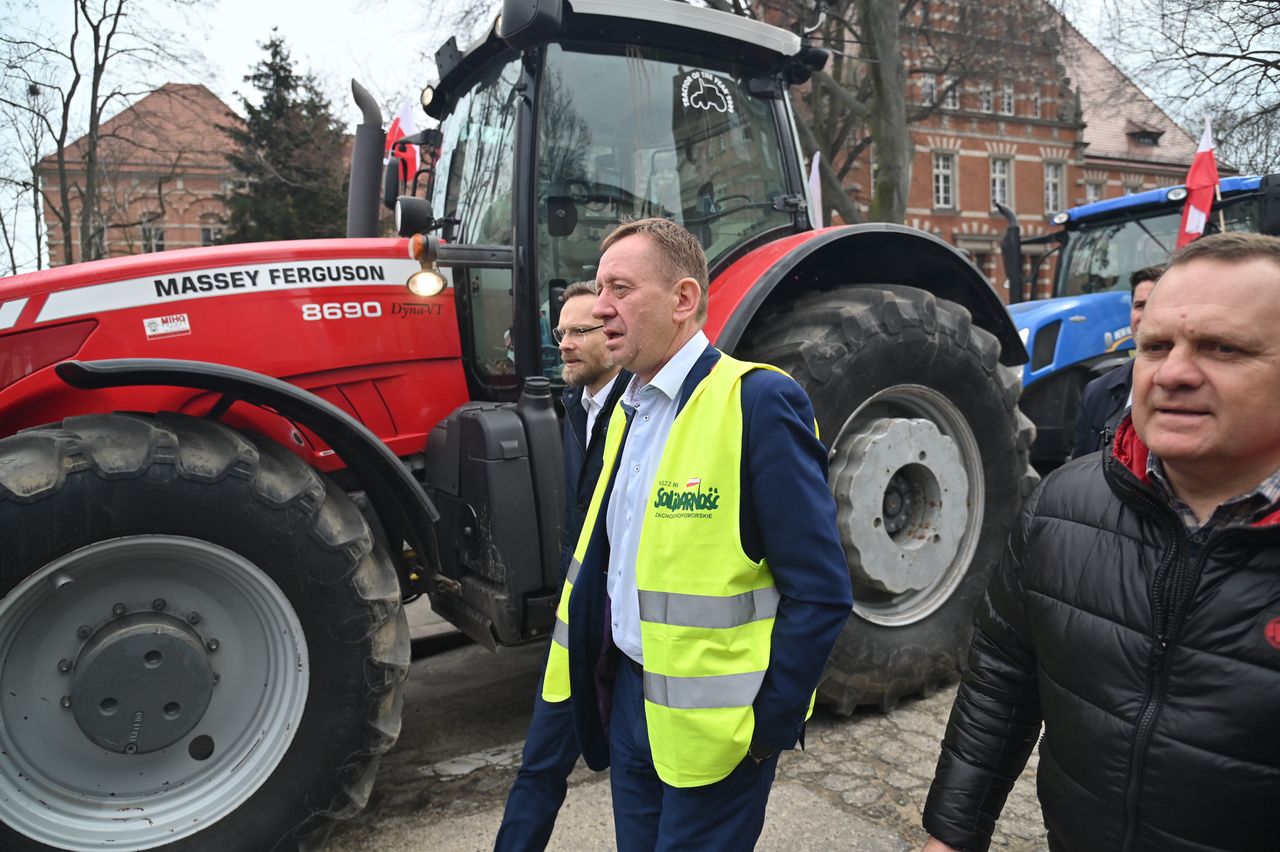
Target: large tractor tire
column 928, row 465
column 201, row 648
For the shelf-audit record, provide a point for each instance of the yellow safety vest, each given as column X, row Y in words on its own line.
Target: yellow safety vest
column 706, row 609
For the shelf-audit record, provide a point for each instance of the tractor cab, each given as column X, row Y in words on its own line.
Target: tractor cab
column 550, row 139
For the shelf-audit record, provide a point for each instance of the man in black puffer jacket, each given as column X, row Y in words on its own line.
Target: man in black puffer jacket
column 1137, row 609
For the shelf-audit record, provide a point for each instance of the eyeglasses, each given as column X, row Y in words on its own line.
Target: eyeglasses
column 576, row 333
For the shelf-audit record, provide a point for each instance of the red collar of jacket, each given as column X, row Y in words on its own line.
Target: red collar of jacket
column 1129, row 450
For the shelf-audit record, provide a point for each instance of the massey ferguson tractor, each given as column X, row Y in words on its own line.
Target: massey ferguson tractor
column 224, row 471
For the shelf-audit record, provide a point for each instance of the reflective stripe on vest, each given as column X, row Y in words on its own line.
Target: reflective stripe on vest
column 708, row 610
column 706, row 692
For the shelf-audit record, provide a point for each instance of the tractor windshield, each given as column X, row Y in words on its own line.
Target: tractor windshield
column 624, row 136
column 1102, row 256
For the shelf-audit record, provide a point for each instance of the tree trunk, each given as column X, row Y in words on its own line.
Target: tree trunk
column 889, row 134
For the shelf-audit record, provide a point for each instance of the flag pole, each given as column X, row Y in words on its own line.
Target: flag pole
column 1222, row 221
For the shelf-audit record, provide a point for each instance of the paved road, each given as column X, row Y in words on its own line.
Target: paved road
column 859, row 786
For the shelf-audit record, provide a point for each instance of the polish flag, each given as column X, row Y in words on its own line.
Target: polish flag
column 693, row 483
column 401, row 126
column 1202, row 184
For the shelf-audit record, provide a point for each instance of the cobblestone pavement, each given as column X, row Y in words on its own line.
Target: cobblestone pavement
column 880, row 765
column 860, row 785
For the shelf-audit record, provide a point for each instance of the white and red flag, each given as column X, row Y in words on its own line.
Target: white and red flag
column 1202, row 186
column 401, row 126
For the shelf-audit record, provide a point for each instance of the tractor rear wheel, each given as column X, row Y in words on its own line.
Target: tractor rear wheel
column 928, row 465
column 201, row 647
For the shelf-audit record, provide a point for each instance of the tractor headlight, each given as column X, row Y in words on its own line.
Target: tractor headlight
column 427, row 281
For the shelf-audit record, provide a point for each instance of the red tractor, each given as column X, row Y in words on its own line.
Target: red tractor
column 223, row 471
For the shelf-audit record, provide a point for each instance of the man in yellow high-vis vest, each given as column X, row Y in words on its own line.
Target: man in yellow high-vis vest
column 708, row 584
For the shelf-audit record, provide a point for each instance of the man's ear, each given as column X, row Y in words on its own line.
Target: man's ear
column 687, row 295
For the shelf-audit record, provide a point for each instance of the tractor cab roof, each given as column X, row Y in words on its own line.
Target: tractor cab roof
column 658, row 23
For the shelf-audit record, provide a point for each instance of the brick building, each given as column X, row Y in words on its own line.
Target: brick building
column 162, row 169
column 1068, row 128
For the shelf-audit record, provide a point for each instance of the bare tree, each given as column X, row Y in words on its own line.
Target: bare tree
column 19, row 184
column 882, row 51
column 73, row 82
column 1219, row 58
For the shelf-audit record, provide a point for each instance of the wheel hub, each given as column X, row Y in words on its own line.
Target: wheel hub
column 141, row 683
column 907, row 493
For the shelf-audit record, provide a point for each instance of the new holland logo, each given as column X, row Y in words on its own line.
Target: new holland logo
column 693, row 498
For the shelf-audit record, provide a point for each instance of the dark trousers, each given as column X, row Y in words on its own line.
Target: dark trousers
column 651, row 816
column 550, row 752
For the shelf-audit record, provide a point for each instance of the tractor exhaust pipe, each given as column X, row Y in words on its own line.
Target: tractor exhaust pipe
column 365, row 185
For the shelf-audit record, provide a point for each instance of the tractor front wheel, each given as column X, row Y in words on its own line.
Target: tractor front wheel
column 201, row 647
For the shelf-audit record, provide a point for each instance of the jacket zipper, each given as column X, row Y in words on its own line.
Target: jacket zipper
column 1171, row 591
column 1156, row 674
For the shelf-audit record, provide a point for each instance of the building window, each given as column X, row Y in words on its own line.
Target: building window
column 1006, row 98
column 951, row 98
column 1092, row 192
column 1132, row 188
column 1036, row 103
column 944, row 180
column 1000, row 171
column 985, row 96
column 152, row 238
column 928, row 90
column 1052, row 187
column 210, row 235
column 1145, row 137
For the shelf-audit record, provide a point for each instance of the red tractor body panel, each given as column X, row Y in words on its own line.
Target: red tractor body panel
column 331, row 316
column 730, row 288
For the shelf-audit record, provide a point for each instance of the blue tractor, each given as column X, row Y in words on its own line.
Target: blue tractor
column 1083, row 330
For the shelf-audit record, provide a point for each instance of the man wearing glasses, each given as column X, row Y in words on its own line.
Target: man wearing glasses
column 593, row 385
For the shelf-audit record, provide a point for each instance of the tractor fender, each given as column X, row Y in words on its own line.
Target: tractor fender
column 403, row 508
column 878, row 253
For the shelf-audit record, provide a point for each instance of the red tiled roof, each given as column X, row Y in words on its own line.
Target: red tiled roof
column 1114, row 107
column 176, row 119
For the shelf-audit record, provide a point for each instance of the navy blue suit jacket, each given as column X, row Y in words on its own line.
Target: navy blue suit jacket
column 583, row 460
column 788, row 517
column 1101, row 405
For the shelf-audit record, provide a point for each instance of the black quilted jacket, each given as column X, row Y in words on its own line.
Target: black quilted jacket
column 1153, row 659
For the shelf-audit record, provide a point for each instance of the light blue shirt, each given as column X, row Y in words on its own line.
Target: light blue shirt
column 655, row 407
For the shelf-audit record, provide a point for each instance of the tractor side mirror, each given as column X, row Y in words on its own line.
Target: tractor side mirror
column 562, row 216
column 1011, row 253
column 391, row 183
column 525, row 23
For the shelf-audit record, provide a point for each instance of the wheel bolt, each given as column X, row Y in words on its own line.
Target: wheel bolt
column 212, row 645
column 193, row 617
column 119, row 610
column 85, row 631
column 64, row 665
column 66, row 702
column 158, row 604
column 130, row 748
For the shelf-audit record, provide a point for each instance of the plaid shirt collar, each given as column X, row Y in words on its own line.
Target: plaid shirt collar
column 1242, row 510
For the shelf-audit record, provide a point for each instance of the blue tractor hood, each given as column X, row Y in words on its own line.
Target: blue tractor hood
column 1089, row 331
